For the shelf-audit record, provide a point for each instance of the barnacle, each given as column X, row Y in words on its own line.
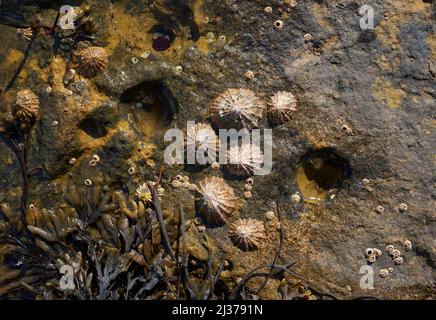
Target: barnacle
column 247, row 234
column 237, row 108
column 26, row 110
column 283, row 104
column 243, row 160
column 144, row 194
column 215, row 200
column 201, row 144
column 91, row 61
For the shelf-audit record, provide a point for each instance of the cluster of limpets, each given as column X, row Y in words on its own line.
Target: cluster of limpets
column 183, row 182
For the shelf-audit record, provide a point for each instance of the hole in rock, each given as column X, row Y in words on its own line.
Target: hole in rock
column 154, row 106
column 162, row 38
column 93, row 128
column 320, row 173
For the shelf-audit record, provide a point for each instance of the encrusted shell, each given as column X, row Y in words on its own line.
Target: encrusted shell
column 237, row 108
column 202, row 140
column 244, row 159
column 144, row 194
column 247, row 234
column 91, row 61
column 283, row 104
column 215, row 200
column 26, row 107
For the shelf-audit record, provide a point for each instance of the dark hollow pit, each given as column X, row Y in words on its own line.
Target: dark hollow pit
column 320, row 174
column 93, row 128
column 155, row 106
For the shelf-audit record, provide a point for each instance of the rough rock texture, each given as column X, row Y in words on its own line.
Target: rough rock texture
column 380, row 83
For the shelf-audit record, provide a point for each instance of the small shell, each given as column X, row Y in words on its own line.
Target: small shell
column 215, row 200
column 390, row 248
column 248, row 187
column 145, row 54
column 398, row 260
column 135, row 60
column 249, row 75
column 178, row 69
column 215, row 166
column 268, row 9
column 402, row 207
column 377, row 252
column 244, row 160
column 26, row 107
column 250, row 181
column 192, row 187
column 295, row 198
column 270, row 215
column 372, row 259
column 91, row 61
column 247, row 234
column 346, row 129
column 281, row 108
column 179, row 177
column 72, row 161
column 365, row 182
column 278, row 24
column 307, row 37
column 96, row 157
column 93, row 163
column 185, row 179
column 248, row 194
column 391, row 270
column 236, row 108
column 131, row 170
column 87, row 182
column 379, row 209
column 384, row 273
column 396, row 253
column 185, row 185
column 407, row 245
column 176, row 184
column 369, row 252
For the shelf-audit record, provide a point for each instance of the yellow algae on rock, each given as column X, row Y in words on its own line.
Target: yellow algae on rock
column 387, row 94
